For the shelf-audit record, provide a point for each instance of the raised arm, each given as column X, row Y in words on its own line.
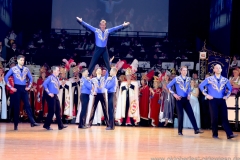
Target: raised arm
column 86, row 24
column 118, row 27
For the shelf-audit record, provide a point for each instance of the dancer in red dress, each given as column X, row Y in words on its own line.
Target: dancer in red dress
column 155, row 102
column 144, row 94
column 40, row 100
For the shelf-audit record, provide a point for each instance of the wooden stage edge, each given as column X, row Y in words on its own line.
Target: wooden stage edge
column 121, row 144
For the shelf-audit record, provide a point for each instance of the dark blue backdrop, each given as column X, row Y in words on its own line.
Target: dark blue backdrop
column 223, row 61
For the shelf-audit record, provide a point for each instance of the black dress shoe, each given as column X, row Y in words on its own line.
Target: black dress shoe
column 180, row 134
column 109, row 128
column 232, row 136
column 198, row 132
column 48, row 128
column 34, row 124
column 82, row 127
column 215, row 137
column 15, row 128
column 62, row 127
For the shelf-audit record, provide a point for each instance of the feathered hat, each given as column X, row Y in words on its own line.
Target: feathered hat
column 173, row 71
column 130, row 69
column 79, row 67
column 148, row 76
column 128, row 72
column 68, row 63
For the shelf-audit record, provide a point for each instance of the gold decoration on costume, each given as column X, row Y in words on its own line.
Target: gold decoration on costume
column 173, row 71
column 156, row 79
column 144, row 77
column 128, row 72
column 76, row 69
column 133, row 107
column 1, row 66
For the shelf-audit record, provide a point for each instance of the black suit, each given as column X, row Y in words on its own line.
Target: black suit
column 11, row 53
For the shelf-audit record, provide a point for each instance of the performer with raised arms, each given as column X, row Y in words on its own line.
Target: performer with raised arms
column 101, row 37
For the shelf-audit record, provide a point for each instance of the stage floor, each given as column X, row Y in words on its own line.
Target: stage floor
column 122, row 143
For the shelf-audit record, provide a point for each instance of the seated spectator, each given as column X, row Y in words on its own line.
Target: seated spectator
column 79, row 47
column 84, row 44
column 60, row 46
column 163, row 56
column 195, row 78
column 234, row 63
column 123, row 43
column 6, row 42
column 12, row 36
column 129, row 55
column 13, row 52
column 157, row 50
column 127, row 42
column 136, row 44
column 31, row 45
column 91, row 45
column 157, row 45
column 142, row 49
column 184, row 57
column 235, row 82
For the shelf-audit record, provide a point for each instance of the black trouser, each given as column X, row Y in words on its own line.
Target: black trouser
column 83, row 115
column 21, row 94
column 205, row 114
column 53, row 107
column 127, row 110
column 11, row 107
column 218, row 106
column 185, row 104
column 44, row 98
column 97, row 53
column 99, row 97
column 75, row 100
column 111, row 100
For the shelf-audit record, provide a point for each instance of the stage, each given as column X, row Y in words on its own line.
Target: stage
column 122, row 143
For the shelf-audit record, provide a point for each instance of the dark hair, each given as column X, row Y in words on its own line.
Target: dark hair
column 20, row 56
column 145, row 81
column 83, row 70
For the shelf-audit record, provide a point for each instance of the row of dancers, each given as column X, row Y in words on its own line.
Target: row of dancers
column 215, row 88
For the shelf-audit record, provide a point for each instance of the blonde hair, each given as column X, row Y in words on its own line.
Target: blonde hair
column 183, row 67
column 103, row 21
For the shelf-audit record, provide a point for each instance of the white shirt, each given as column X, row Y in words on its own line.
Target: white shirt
column 129, row 56
column 234, row 64
column 6, row 42
column 12, row 36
